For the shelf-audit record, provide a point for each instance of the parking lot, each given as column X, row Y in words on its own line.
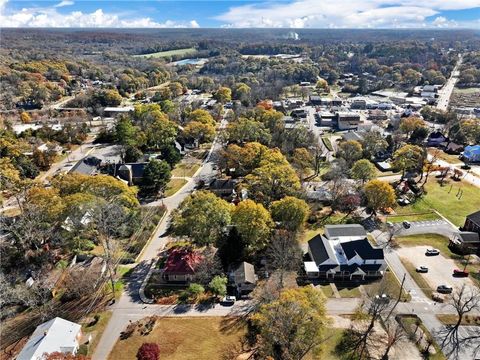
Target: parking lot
column 440, row 268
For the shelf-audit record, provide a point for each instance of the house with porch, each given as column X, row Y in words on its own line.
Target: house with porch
column 181, row 265
column 243, row 277
column 343, row 252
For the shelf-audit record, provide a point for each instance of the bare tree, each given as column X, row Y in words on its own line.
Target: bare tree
column 395, row 334
column 284, row 254
column 454, row 339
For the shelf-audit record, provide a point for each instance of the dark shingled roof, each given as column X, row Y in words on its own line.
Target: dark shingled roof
column 475, row 217
column 363, row 248
column 87, row 166
column 345, row 230
column 468, row 237
column 319, row 253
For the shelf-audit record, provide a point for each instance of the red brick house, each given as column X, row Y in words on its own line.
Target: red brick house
column 181, row 264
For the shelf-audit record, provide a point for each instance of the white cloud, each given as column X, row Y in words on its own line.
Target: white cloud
column 345, row 14
column 50, row 17
column 64, row 3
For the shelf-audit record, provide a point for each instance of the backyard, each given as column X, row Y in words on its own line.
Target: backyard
column 183, row 338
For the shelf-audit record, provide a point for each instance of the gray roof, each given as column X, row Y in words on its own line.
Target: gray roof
column 87, row 166
column 352, row 135
column 474, row 217
column 468, row 237
column 245, row 273
column 55, row 335
column 332, row 231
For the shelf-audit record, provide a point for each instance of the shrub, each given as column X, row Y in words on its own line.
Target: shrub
column 148, row 351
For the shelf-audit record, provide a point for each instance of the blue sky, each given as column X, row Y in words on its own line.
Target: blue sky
column 233, row 13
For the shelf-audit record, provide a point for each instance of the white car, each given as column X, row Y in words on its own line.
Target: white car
column 228, row 300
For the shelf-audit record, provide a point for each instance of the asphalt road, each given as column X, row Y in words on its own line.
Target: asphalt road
column 129, row 306
column 446, row 92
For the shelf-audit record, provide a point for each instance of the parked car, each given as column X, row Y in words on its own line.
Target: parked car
column 432, row 252
column 460, row 273
column 438, row 297
column 228, row 300
column 422, row 269
column 406, row 224
column 444, row 289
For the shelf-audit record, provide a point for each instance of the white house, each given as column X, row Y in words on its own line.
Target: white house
column 56, row 335
column 344, row 252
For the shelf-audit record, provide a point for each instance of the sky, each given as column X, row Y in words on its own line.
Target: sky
column 242, row 14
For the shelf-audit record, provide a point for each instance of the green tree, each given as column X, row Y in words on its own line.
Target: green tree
column 373, row 142
column 203, row 217
column 223, row 95
column 126, row 133
column 290, row 212
column 218, row 285
column 379, row 194
column 161, row 133
column 363, row 170
column 156, row 175
column 248, row 130
column 241, row 91
column 409, row 158
column 167, row 106
column 410, row 124
column 194, row 291
column 272, row 182
column 202, row 116
column 253, row 223
column 350, row 151
column 293, row 325
column 199, row 132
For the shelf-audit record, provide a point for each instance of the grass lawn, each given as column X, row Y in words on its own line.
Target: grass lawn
column 413, row 217
column 441, row 155
column 419, row 278
column 160, row 54
column 326, row 290
column 97, row 329
column 450, row 319
column 349, row 292
column 185, row 169
column 389, row 284
column 333, row 337
column 184, row 338
column 327, row 142
column 173, row 186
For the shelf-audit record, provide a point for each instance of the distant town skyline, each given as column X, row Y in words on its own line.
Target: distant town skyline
column 242, row 14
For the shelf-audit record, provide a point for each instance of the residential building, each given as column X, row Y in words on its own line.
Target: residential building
column 472, row 222
column 130, row 172
column 243, row 277
column 347, row 120
column 436, row 138
column 181, row 264
column 344, row 253
column 465, row 242
column 223, row 187
column 315, row 100
column 55, row 335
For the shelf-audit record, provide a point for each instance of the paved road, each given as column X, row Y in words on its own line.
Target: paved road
column 129, row 306
column 441, row 227
column 446, row 91
column 318, row 133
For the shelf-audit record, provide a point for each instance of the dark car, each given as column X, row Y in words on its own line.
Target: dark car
column 444, row 289
column 432, row 252
column 460, row 273
column 406, row 224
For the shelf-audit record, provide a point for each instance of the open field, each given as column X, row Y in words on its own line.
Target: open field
column 444, row 199
column 183, row 338
column 465, row 97
column 432, row 240
column 173, row 186
column 177, row 52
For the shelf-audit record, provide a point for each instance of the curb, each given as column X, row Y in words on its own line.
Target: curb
column 151, row 236
column 141, row 292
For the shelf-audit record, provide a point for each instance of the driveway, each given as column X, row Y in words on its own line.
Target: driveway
column 439, row 226
column 440, row 268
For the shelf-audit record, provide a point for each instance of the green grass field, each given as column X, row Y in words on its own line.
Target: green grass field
column 185, row 169
column 168, row 53
column 444, row 199
column 173, row 186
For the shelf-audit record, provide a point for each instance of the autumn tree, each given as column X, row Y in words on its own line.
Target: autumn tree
column 199, row 132
column 25, row 117
column 253, row 223
column 272, row 182
column 293, row 325
column 409, row 158
column 290, row 212
column 223, row 95
column 363, row 170
column 410, row 124
column 322, row 85
column 350, row 151
column 202, row 216
column 379, row 194
column 241, row 91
